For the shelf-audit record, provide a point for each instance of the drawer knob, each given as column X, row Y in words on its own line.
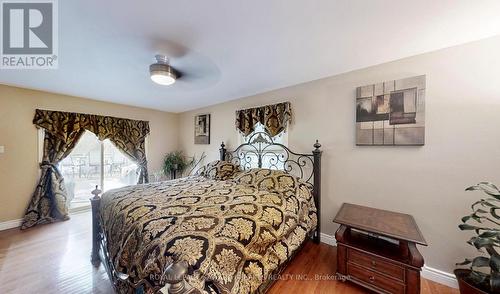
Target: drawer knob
column 372, row 279
column 374, row 263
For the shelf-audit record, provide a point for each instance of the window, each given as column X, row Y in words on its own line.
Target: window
column 281, row 138
column 93, row 162
column 272, row 156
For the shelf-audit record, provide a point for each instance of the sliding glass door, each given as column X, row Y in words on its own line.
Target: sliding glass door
column 92, row 163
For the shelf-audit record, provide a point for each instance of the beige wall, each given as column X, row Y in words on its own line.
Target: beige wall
column 18, row 165
column 462, row 141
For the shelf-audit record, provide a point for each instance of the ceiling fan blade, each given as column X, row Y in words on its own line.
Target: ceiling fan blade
column 194, row 79
column 169, row 48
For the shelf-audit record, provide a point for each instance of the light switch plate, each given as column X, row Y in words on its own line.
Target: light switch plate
column 2, row 149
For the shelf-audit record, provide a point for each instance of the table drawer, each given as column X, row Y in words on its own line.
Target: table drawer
column 376, row 264
column 375, row 279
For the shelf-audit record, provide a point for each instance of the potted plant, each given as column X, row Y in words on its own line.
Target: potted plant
column 483, row 273
column 175, row 162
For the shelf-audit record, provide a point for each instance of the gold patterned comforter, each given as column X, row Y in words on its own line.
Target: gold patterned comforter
column 232, row 234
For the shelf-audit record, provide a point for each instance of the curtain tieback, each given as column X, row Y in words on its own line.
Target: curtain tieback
column 48, row 165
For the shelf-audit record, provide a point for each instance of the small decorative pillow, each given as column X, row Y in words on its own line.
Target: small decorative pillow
column 220, row 170
column 274, row 181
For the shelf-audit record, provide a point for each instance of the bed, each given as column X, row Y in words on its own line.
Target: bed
column 230, row 228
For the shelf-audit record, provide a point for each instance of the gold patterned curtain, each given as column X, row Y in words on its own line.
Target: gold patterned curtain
column 62, row 132
column 129, row 136
column 48, row 202
column 274, row 118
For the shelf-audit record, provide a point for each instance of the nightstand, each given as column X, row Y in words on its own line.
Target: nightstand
column 377, row 249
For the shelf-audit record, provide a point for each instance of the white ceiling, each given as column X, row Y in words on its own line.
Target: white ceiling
column 231, row 49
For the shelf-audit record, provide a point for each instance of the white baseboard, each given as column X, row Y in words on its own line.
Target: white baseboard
column 439, row 276
column 429, row 273
column 10, row 224
column 79, row 209
column 16, row 223
column 328, row 239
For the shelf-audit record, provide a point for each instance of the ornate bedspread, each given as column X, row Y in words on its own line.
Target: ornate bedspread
column 231, row 234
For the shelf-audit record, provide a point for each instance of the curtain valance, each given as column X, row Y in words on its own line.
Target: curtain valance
column 62, row 132
column 60, row 124
column 274, row 118
column 126, row 134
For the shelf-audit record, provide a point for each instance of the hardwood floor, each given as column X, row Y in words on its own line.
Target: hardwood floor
column 316, row 264
column 55, row 258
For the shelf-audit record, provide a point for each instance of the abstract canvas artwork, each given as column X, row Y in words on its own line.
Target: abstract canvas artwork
column 202, row 129
column 391, row 113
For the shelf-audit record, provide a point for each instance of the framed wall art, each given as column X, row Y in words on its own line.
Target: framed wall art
column 391, row 113
column 202, row 129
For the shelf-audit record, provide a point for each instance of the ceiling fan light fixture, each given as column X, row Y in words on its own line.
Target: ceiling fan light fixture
column 161, row 72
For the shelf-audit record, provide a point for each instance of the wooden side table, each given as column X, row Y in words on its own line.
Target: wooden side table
column 377, row 249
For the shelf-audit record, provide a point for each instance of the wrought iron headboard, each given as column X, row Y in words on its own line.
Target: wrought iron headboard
column 260, row 151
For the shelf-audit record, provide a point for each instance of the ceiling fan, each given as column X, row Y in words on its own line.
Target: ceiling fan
column 162, row 72
column 188, row 69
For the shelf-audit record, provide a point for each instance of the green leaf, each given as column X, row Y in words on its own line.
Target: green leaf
column 483, row 242
column 465, row 262
column 495, row 262
column 466, row 218
column 485, row 203
column 481, row 261
column 477, row 277
column 495, row 282
column 490, row 185
column 466, row 227
column 494, row 213
column 476, row 203
column 487, row 188
column 489, row 234
column 475, row 217
column 489, row 204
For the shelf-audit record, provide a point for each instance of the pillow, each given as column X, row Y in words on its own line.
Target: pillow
column 273, row 181
column 220, row 170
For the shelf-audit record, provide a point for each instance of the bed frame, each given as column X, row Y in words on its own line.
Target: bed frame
column 259, row 151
